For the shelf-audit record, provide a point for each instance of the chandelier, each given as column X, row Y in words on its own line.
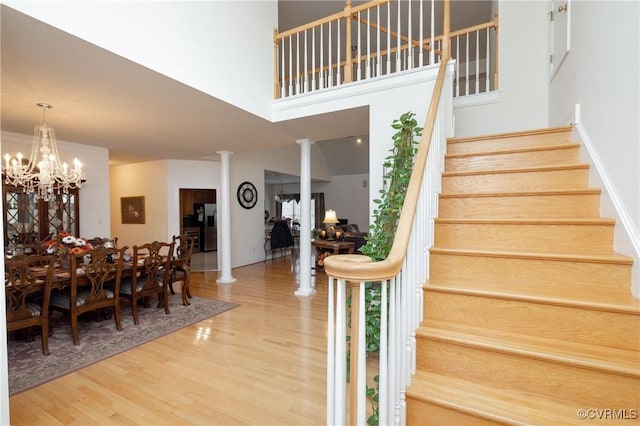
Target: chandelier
column 44, row 175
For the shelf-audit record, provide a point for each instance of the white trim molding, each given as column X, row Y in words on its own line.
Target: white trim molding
column 626, row 237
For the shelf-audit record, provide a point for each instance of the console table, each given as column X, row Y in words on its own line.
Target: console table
column 335, row 247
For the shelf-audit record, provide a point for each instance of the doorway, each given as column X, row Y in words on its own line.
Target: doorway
column 198, row 213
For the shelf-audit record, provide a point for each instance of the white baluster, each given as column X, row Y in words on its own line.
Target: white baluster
column 389, row 38
column 432, row 53
column 359, row 46
column 341, row 355
column 378, row 58
column 368, row 50
column 398, row 43
column 421, row 37
column 290, row 68
column 314, row 85
column 457, row 77
column 477, row 61
column 330, row 70
column 321, row 79
column 409, row 37
column 383, row 390
column 331, row 354
column 487, row 84
column 297, row 63
column 466, row 92
column 338, row 67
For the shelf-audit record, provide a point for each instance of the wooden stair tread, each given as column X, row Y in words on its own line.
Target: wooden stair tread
column 502, row 135
column 605, row 300
column 489, row 282
column 614, row 360
column 512, row 151
column 588, row 191
column 503, row 406
column 613, row 258
column 532, row 221
column 516, row 170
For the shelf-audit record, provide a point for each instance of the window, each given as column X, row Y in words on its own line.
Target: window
column 291, row 209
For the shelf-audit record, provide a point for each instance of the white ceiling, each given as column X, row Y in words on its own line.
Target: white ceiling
column 102, row 99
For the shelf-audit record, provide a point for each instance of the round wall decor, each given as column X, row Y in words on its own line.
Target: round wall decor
column 247, row 195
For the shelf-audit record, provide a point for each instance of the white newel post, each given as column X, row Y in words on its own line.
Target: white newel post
column 224, row 215
column 305, row 288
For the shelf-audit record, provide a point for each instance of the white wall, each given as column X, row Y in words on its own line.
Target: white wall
column 185, row 40
column 607, row 89
column 522, row 102
column 148, row 179
column 94, row 194
column 247, row 225
column 159, row 182
column 387, row 98
column 348, row 195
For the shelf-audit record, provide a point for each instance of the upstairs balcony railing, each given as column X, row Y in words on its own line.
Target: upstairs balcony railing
column 381, row 38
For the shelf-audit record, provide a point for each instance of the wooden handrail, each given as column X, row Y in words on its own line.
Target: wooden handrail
column 357, row 268
column 427, row 44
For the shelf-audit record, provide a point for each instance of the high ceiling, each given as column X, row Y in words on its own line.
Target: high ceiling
column 102, row 99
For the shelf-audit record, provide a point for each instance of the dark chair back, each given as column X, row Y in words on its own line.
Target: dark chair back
column 181, row 265
column 150, row 275
column 28, row 280
column 95, row 284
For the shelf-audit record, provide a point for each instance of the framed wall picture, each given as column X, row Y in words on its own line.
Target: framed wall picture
column 132, row 209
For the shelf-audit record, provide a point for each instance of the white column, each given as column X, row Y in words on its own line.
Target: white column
column 305, row 288
column 224, row 222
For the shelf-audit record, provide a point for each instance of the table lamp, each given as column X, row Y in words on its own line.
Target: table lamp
column 330, row 219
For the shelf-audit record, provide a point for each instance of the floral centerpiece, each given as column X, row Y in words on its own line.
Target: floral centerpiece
column 63, row 243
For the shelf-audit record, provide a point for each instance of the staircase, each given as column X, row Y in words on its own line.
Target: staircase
column 528, row 312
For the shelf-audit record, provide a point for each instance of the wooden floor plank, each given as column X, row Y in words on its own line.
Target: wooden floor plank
column 262, row 363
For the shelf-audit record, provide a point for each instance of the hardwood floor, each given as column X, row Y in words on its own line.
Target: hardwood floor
column 262, row 363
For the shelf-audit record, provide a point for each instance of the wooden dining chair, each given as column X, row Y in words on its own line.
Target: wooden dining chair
column 94, row 286
column 103, row 242
column 181, row 265
column 150, row 276
column 27, row 289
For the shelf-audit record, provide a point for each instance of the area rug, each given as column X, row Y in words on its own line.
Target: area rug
column 28, row 367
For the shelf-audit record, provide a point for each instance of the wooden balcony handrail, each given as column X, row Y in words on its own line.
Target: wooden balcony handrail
column 358, row 268
column 327, row 19
column 426, row 43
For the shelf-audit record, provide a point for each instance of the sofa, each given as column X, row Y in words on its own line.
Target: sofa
column 353, row 234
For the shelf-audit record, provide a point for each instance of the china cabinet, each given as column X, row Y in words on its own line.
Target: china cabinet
column 29, row 220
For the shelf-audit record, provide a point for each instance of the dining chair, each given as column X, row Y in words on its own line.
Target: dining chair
column 103, row 242
column 94, row 286
column 149, row 277
column 181, row 265
column 27, row 287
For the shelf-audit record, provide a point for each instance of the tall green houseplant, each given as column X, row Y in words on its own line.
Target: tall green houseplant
column 395, row 180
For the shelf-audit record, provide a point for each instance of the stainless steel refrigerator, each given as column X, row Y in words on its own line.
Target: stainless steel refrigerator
column 207, row 219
